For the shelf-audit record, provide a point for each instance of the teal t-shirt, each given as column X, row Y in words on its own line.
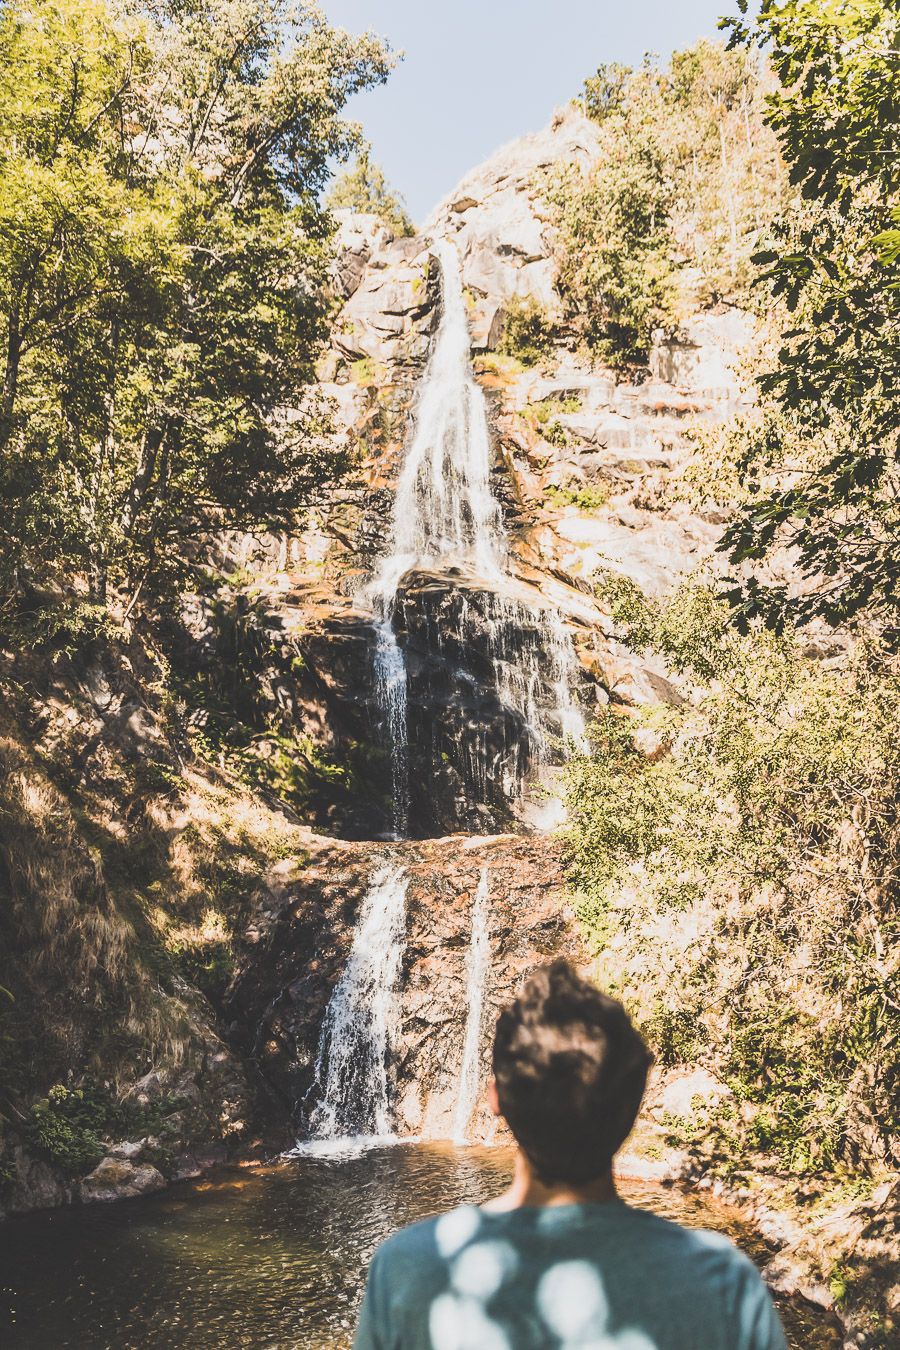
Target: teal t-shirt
column 597, row 1277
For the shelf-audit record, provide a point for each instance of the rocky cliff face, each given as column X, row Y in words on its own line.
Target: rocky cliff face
column 297, row 948
column 585, row 466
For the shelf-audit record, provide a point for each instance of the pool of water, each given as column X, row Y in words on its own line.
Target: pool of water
column 272, row 1258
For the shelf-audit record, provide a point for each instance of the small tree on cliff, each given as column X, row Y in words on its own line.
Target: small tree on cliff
column 670, row 210
column 365, row 188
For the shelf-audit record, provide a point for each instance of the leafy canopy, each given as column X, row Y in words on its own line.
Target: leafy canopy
column 163, row 259
column 819, row 466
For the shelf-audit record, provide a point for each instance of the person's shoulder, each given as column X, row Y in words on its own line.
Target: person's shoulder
column 695, row 1244
column 436, row 1238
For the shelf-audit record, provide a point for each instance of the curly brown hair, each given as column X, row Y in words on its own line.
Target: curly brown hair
column 571, row 1071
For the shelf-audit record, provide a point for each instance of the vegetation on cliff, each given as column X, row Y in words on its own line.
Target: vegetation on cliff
column 164, row 255
column 817, row 465
column 672, row 208
column 740, row 881
column 364, row 188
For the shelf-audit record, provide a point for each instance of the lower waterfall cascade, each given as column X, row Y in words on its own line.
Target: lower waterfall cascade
column 478, row 964
column 355, row 1042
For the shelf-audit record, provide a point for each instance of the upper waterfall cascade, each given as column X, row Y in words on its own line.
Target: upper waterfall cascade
column 445, row 516
column 444, row 509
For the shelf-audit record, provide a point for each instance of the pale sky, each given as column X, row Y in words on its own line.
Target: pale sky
column 478, row 73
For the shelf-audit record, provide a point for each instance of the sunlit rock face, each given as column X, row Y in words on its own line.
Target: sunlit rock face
column 500, row 226
column 474, row 573
column 298, row 946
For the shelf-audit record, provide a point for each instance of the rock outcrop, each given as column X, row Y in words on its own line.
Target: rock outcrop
column 498, row 220
column 297, row 947
column 120, row 1179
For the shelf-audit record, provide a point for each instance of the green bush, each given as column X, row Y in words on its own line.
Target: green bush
column 66, row 1125
column 69, row 1125
column 527, row 331
column 737, row 883
column 588, row 497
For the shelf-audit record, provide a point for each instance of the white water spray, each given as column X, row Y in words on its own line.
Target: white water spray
column 390, row 691
column 444, row 510
column 477, row 968
column 361, row 1018
column 445, row 514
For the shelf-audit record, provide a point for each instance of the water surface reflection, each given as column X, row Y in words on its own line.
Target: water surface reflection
column 268, row 1258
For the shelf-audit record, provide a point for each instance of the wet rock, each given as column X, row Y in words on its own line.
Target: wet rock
column 119, row 1179
column 299, row 950
column 189, row 1166
column 474, row 740
column 33, row 1183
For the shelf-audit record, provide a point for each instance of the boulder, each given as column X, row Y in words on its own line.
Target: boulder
column 390, row 314
column 129, row 1150
column 34, row 1184
column 704, row 355
column 119, row 1179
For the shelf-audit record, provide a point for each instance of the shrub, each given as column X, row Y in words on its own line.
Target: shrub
column 587, row 497
column 65, row 1126
column 527, row 331
column 737, row 884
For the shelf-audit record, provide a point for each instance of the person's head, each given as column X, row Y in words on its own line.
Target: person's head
column 570, row 1071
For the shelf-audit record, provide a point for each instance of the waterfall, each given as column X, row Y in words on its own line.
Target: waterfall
column 477, row 967
column 360, row 1021
column 444, row 510
column 445, row 515
column 443, row 506
column 390, row 691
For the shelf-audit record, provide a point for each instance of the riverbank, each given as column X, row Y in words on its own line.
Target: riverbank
column 833, row 1240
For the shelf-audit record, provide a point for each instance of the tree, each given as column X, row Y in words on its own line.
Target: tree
column 613, row 240
column 669, row 213
column 819, row 466
column 365, row 188
column 163, row 260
